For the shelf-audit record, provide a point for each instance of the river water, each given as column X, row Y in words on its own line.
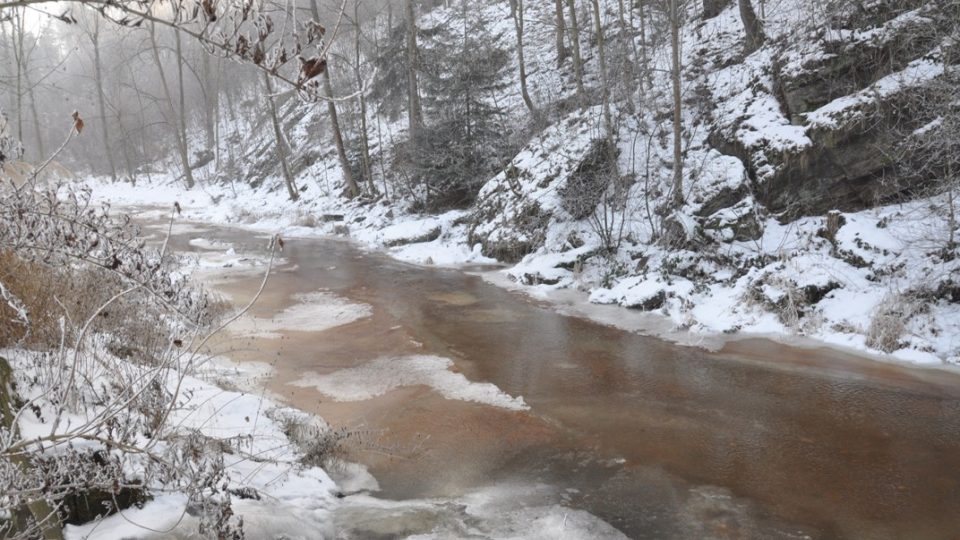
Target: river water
column 757, row 440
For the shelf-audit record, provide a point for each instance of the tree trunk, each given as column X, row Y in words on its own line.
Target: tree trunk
column 415, row 109
column 516, row 12
column 352, row 189
column 647, row 80
column 362, row 98
column 101, row 100
column 577, row 59
column 210, row 101
column 216, row 112
column 630, row 66
column 278, row 137
column 752, row 26
column 184, row 149
column 562, row 52
column 36, row 118
column 678, row 197
column 181, row 143
column 598, row 28
column 18, row 53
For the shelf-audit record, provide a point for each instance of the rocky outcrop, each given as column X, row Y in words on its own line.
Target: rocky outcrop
column 847, row 89
column 847, row 62
column 587, row 183
column 526, row 231
column 427, row 234
column 848, row 168
column 712, row 8
column 559, row 176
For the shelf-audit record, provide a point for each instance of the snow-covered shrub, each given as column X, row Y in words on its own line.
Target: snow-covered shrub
column 79, row 423
column 9, row 147
column 889, row 322
column 780, row 296
column 316, row 441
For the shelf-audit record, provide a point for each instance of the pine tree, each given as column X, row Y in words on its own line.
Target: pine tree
column 463, row 141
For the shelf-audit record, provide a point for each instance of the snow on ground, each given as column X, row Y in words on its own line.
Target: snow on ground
column 295, row 499
column 382, row 375
column 312, row 312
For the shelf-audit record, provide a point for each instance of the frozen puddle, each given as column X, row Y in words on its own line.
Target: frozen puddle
column 314, row 312
column 382, row 375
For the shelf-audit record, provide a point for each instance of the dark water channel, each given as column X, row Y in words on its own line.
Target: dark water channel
column 759, row 440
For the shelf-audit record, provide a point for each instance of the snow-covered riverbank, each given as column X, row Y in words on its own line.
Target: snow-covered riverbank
column 856, row 302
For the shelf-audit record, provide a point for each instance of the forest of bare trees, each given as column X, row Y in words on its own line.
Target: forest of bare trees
column 171, row 89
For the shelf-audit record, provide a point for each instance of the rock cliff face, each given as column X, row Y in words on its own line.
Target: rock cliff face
column 847, row 88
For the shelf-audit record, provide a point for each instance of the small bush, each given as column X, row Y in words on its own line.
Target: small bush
column 317, row 442
column 889, row 322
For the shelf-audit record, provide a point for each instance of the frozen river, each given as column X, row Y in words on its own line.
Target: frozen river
column 453, row 387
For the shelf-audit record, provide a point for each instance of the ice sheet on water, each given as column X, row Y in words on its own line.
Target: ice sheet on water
column 314, row 312
column 382, row 375
column 210, row 244
column 498, row 512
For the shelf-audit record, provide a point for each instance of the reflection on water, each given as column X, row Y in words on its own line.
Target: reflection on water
column 758, row 440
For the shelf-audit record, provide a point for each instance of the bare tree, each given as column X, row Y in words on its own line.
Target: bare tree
column 562, row 51
column 675, row 74
column 352, row 189
column 178, row 131
column 601, row 52
column 575, row 39
column 645, row 74
column 182, row 110
column 414, row 109
column 367, row 163
column 930, row 155
column 516, row 13
column 245, row 33
column 94, row 35
column 209, row 83
column 280, row 142
column 23, row 61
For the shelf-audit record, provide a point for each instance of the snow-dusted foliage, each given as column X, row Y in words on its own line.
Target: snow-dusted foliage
column 57, row 225
column 100, row 409
column 9, row 147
